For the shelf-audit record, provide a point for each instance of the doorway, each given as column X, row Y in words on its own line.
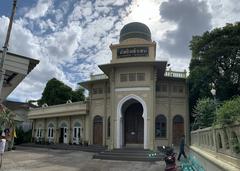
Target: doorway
column 98, row 130
column 63, row 134
column 178, row 129
column 133, row 123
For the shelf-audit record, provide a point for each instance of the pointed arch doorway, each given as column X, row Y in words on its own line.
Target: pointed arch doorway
column 131, row 124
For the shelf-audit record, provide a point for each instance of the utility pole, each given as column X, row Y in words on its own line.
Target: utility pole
column 5, row 48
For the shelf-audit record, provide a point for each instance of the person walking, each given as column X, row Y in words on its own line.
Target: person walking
column 3, row 135
column 181, row 148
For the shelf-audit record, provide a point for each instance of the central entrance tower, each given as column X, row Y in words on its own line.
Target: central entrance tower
column 132, row 75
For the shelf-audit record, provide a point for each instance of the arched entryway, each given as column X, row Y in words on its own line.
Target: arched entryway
column 178, row 129
column 63, row 138
column 98, row 130
column 133, row 122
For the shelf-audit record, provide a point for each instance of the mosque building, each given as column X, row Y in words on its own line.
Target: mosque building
column 136, row 102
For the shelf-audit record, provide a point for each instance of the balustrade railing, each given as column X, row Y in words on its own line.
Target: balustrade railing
column 98, row 77
column 224, row 140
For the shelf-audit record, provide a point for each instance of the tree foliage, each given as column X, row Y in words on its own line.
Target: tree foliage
column 205, row 112
column 56, row 92
column 215, row 58
column 78, row 95
column 6, row 118
column 229, row 112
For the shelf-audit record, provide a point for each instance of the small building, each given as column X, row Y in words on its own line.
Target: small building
column 21, row 111
column 136, row 102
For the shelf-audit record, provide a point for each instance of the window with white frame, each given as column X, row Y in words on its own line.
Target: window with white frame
column 77, row 130
column 50, row 130
column 39, row 132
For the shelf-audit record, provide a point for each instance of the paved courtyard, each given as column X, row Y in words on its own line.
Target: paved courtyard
column 38, row 159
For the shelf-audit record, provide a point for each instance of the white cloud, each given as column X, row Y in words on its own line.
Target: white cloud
column 61, row 45
column 33, row 46
column 70, row 38
column 224, row 11
column 40, row 9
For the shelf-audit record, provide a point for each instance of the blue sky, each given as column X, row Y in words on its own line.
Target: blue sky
column 72, row 37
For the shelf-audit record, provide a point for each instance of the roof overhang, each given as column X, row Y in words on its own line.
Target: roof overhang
column 62, row 110
column 16, row 67
column 159, row 65
column 87, row 84
column 15, row 116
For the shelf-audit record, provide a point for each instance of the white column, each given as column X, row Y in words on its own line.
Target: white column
column 145, row 141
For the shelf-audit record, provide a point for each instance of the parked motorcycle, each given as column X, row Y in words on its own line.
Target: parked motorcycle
column 169, row 158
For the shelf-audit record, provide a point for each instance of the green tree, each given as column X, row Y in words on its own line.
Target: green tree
column 215, row 58
column 205, row 112
column 6, row 118
column 56, row 92
column 78, row 95
column 229, row 112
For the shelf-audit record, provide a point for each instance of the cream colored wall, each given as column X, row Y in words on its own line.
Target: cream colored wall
column 171, row 104
column 138, row 69
column 98, row 106
column 57, row 122
column 147, row 95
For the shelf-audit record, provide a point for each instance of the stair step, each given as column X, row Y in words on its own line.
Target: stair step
column 129, row 155
column 125, row 158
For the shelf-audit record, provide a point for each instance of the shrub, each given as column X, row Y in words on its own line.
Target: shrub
column 229, row 112
column 22, row 137
column 204, row 112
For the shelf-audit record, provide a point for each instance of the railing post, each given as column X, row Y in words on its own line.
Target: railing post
column 215, row 140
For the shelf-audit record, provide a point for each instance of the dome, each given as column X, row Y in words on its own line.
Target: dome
column 135, row 30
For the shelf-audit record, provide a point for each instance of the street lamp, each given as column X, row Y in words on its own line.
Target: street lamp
column 213, row 92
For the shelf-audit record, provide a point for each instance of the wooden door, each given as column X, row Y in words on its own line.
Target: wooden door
column 98, row 130
column 134, row 124
column 178, row 129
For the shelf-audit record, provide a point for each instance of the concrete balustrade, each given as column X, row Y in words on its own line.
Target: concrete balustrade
column 219, row 143
column 218, row 139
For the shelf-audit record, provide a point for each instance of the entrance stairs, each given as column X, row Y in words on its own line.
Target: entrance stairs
column 89, row 148
column 130, row 154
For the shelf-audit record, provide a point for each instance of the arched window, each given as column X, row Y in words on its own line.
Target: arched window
column 76, row 131
column 219, row 140
column 97, row 119
column 109, row 124
column 63, row 125
column 160, row 126
column 50, row 130
column 77, row 124
column 39, row 131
